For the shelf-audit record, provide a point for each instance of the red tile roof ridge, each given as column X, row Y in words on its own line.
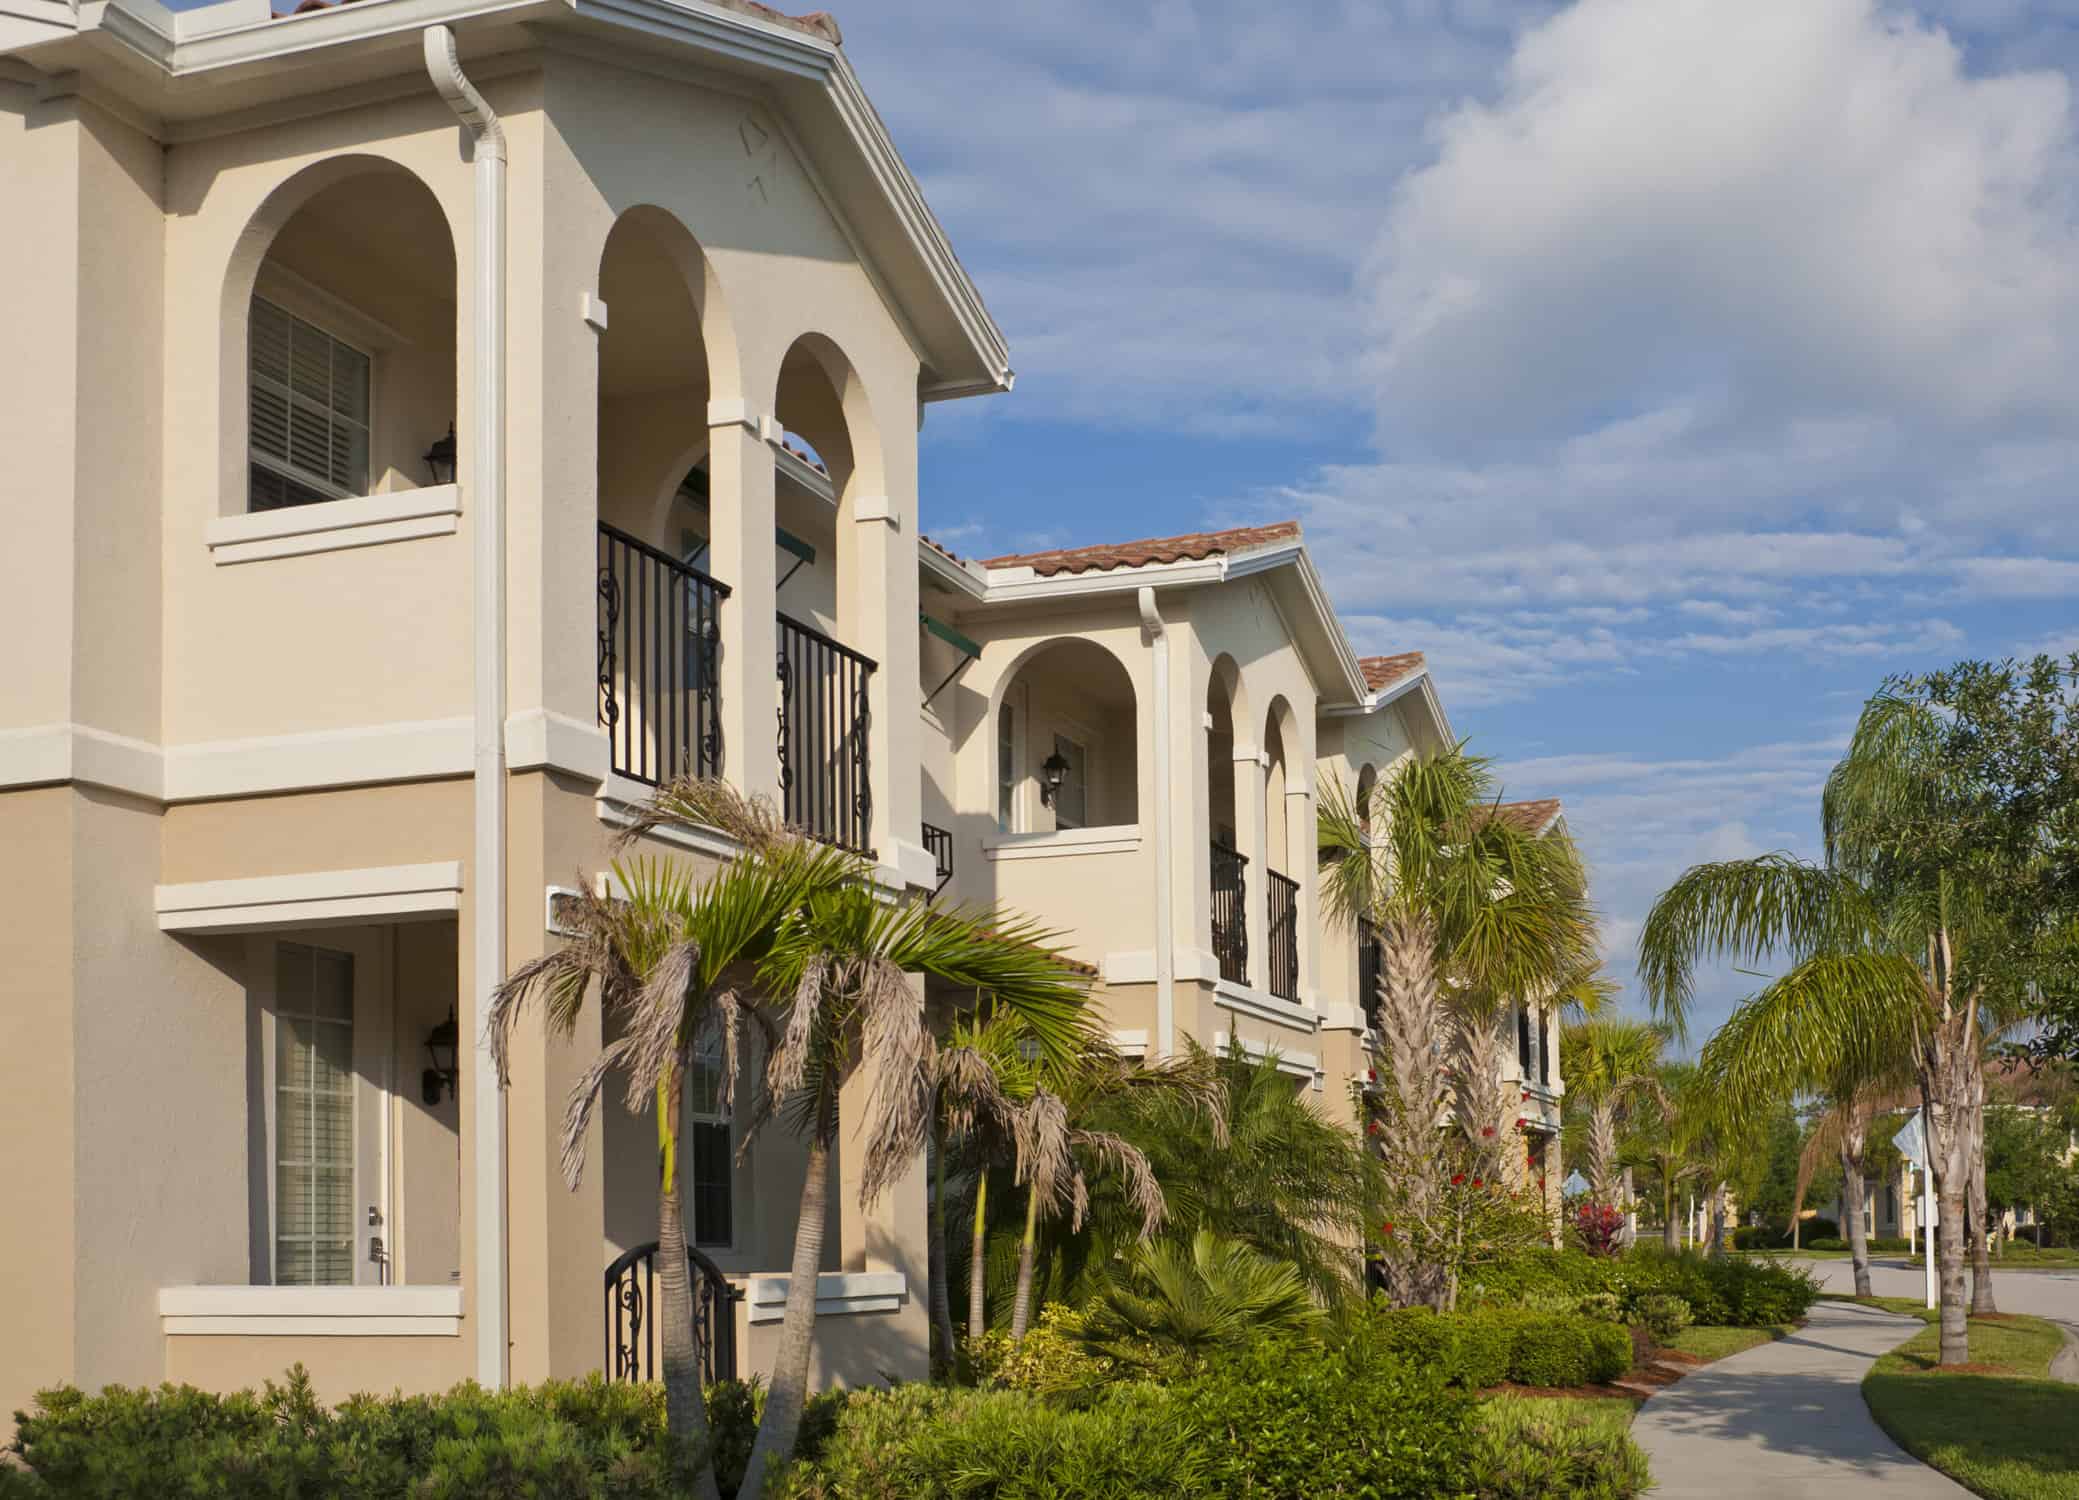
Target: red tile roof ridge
column 1102, row 557
column 1383, row 671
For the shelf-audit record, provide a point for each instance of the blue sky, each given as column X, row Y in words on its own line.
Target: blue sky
column 1668, row 370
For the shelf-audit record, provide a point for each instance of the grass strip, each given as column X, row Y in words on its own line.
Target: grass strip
column 2002, row 1429
column 1706, row 1342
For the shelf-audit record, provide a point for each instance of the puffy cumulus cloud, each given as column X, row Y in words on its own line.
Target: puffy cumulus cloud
column 1796, row 206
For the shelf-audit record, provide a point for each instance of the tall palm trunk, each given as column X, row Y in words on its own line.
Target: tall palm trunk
column 1670, row 1234
column 1602, row 1151
column 1718, row 1221
column 1408, row 1126
column 936, row 1267
column 784, row 1399
column 1981, row 1223
column 978, row 1261
column 1021, row 1309
column 1852, row 1190
column 685, row 1410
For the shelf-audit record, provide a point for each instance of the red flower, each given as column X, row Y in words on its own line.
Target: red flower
column 1526, row 1096
column 1476, row 1182
column 1385, row 1229
column 1371, row 1075
column 1372, row 1128
column 1487, row 1130
column 1457, row 1178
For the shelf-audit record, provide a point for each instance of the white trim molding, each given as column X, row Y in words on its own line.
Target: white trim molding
column 359, row 756
column 334, row 525
column 323, row 898
column 338, row 1311
column 1262, row 1004
column 1118, row 838
column 838, row 1293
column 537, row 739
column 51, row 754
column 1131, row 1043
column 1296, row 1064
column 1135, row 966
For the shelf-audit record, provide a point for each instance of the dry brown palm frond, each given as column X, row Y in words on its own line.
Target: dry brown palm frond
column 593, row 954
column 1039, row 1138
column 789, row 1062
column 658, row 1023
column 1193, row 1078
column 708, row 802
column 899, row 1102
column 971, row 1091
column 1143, row 1192
column 577, row 1110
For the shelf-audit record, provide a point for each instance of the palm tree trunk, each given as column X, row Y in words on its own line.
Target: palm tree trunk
column 1718, row 1221
column 937, row 1269
column 1602, row 1152
column 784, row 1399
column 1021, row 1310
column 1670, row 1233
column 1981, row 1223
column 1949, row 1240
column 685, row 1411
column 1408, row 1135
column 977, row 1263
column 1852, row 1190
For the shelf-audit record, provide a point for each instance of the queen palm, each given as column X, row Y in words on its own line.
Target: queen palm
column 1842, row 1131
column 1665, row 1140
column 1901, row 949
column 1469, row 906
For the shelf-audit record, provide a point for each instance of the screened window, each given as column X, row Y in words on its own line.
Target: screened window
column 313, row 1117
column 1072, row 802
column 1006, row 769
column 713, row 1203
column 309, row 412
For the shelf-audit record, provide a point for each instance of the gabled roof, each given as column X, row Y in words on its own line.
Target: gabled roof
column 1533, row 817
column 1384, row 671
column 1194, row 546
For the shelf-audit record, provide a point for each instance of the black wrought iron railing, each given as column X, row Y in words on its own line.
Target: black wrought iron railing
column 939, row 842
column 1545, row 1048
column 660, row 641
column 1231, row 912
column 632, row 1312
column 1284, row 936
column 1371, row 956
column 1524, row 1068
column 825, row 784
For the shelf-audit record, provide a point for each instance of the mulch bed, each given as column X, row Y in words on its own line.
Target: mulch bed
column 1659, row 1371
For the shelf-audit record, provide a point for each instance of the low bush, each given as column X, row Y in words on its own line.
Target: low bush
column 1890, row 1244
column 1826, row 1242
column 1567, row 1352
column 1769, row 1237
column 1483, row 1348
column 1608, row 1307
column 1051, row 1358
column 1730, row 1291
column 1532, row 1449
column 1663, row 1315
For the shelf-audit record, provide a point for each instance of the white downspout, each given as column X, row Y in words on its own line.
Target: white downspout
column 1165, row 865
column 485, row 456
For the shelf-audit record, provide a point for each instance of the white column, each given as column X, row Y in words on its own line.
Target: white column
column 741, row 520
column 1302, row 864
column 1252, row 835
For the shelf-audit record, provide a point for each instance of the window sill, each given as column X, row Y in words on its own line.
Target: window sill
column 351, row 1311
column 1265, row 1006
column 1116, row 838
column 838, row 1293
column 335, row 525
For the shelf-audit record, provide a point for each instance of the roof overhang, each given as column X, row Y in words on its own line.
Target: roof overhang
column 1417, row 685
column 170, row 72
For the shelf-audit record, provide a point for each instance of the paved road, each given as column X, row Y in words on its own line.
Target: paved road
column 2047, row 1294
column 1786, row 1421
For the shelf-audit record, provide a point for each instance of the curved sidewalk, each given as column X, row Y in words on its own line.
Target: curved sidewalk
column 1786, row 1421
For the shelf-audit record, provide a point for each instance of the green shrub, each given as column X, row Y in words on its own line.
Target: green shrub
column 1607, row 1307
column 1567, row 1351
column 1052, row 1357
column 1826, row 1242
column 1467, row 1349
column 1732, row 1291
column 1533, row 1449
column 1890, row 1244
column 1663, row 1315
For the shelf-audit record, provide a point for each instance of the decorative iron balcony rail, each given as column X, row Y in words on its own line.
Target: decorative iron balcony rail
column 825, row 783
column 660, row 638
column 1231, row 912
column 939, row 841
column 1523, row 1067
column 1284, row 936
column 632, row 1314
column 1371, row 955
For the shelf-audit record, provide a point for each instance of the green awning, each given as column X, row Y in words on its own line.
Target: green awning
column 962, row 644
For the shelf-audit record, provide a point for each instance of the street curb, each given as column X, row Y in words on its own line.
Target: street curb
column 2064, row 1365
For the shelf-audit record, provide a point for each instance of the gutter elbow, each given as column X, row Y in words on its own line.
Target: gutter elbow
column 444, row 67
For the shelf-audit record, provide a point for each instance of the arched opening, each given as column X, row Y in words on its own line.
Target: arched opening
column 1281, row 837
column 340, row 338
column 1230, row 874
column 1367, row 789
column 1067, row 737
column 659, row 610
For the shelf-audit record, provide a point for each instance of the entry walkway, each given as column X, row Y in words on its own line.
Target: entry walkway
column 1787, row 1421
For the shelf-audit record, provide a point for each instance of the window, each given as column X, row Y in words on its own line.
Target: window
column 713, row 1199
column 1891, row 1205
column 1006, row 770
column 308, row 412
column 1072, row 802
column 313, row 1117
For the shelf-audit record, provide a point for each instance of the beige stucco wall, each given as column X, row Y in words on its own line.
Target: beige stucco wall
column 339, row 1366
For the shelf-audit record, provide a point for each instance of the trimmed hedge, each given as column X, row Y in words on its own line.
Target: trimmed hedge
column 1484, row 1348
column 1768, row 1237
column 1732, row 1291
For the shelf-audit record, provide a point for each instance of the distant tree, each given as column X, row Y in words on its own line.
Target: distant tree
column 2024, row 1158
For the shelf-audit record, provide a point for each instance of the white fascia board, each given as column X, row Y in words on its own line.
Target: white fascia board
column 838, row 1293
column 1022, row 585
column 955, row 575
column 319, row 898
column 332, row 1311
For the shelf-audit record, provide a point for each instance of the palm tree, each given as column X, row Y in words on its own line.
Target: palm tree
column 1194, row 1301
column 1610, row 1066
column 1466, row 904
column 1842, row 1131
column 1902, row 949
column 1664, row 1140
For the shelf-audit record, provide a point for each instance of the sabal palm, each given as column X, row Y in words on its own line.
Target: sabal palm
column 1610, row 1065
column 1900, row 948
column 1467, row 904
column 1195, row 1300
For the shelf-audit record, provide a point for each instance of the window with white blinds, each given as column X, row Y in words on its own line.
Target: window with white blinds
column 309, row 412
column 713, row 1195
column 313, row 1117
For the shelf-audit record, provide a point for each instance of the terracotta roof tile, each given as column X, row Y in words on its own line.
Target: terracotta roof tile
column 1384, row 671
column 1162, row 549
column 1531, row 817
column 946, row 552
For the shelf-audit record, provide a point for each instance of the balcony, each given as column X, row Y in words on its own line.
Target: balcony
column 1231, row 912
column 1371, row 962
column 660, row 637
column 825, row 782
column 938, row 842
column 1284, row 936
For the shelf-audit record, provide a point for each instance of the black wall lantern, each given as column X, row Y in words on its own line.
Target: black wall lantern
column 1053, row 772
column 441, row 1043
column 440, row 458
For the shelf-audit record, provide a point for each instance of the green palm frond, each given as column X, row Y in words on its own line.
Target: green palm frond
column 1196, row 1300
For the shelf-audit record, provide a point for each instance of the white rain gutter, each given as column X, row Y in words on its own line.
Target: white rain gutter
column 1165, row 874
column 485, row 453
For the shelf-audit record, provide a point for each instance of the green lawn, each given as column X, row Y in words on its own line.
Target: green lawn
column 1709, row 1343
column 1912, row 1307
column 2007, row 1436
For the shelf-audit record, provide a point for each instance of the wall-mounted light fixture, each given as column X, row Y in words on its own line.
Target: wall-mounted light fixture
column 441, row 1045
column 1053, row 772
column 440, row 458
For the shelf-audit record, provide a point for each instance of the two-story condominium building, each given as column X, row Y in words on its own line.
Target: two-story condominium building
column 432, row 424
column 427, row 422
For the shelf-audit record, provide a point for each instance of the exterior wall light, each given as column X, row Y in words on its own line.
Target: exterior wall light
column 1053, row 772
column 441, row 1046
column 440, row 458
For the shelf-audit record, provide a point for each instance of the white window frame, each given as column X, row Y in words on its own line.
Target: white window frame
column 726, row 1121
column 297, row 300
column 1079, row 767
column 1009, row 814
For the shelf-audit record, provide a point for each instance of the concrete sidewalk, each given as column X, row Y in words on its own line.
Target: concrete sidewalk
column 1787, row 1421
